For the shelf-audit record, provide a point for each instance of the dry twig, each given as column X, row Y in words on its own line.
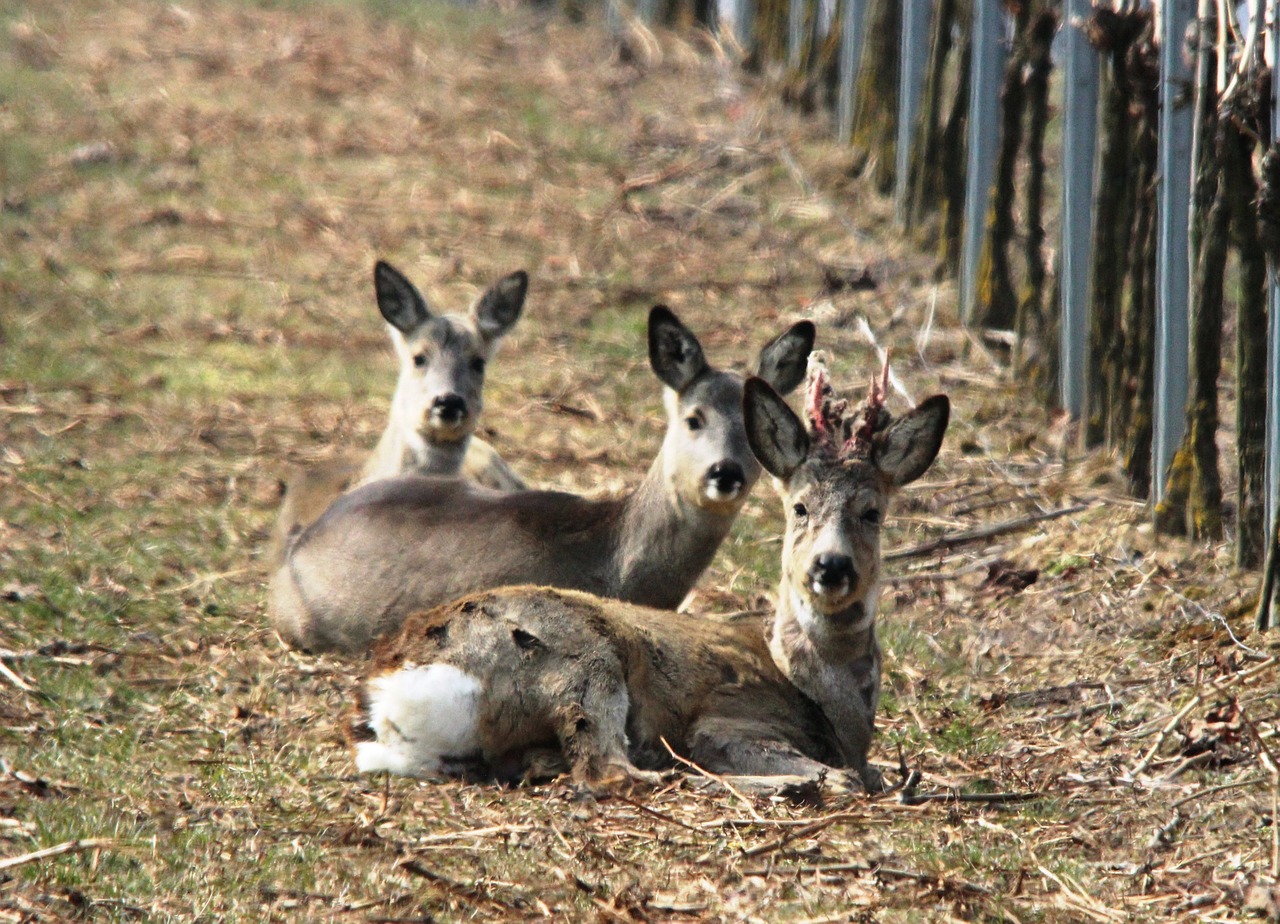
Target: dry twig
column 981, row 532
column 1216, row 686
column 57, row 850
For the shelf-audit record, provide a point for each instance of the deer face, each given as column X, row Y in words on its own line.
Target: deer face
column 835, row 482
column 705, row 453
column 706, row 458
column 831, row 549
column 438, row 396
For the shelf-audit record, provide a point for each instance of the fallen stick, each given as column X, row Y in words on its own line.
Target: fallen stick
column 707, row 774
column 806, row 831
column 889, row 872
column 57, row 850
column 981, row 532
column 1215, row 686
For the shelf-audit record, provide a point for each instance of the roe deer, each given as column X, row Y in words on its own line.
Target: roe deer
column 396, row 546
column 437, row 401
column 490, row 679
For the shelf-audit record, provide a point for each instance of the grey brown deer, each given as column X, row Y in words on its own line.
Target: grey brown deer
column 437, row 402
column 483, row 682
column 395, row 546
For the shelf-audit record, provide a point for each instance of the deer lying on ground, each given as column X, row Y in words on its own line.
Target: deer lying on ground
column 437, row 401
column 400, row 545
column 487, row 680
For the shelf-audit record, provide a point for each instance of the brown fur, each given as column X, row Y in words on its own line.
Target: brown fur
column 399, row 545
column 439, row 354
column 612, row 685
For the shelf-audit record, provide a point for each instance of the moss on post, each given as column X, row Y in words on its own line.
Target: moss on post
column 925, row 179
column 997, row 303
column 1251, row 350
column 875, row 111
column 1030, row 321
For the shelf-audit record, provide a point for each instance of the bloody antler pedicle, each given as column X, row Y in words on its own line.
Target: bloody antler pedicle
column 834, row 431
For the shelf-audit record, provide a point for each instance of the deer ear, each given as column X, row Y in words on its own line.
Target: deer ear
column 674, row 352
column 905, row 451
column 774, row 433
column 401, row 304
column 783, row 359
column 500, row 306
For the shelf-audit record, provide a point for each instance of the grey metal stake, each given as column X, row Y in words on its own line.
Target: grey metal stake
column 795, row 31
column 851, row 38
column 1173, row 247
column 1079, row 156
column 744, row 11
column 989, row 53
column 914, row 54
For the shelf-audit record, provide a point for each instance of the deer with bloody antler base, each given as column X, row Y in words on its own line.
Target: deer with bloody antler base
column 496, row 675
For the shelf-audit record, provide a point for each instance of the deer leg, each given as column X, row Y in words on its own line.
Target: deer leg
column 591, row 727
column 741, row 750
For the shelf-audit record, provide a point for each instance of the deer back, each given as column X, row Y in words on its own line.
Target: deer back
column 392, row 547
column 437, row 401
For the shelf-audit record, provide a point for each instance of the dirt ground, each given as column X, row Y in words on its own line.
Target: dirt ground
column 193, row 199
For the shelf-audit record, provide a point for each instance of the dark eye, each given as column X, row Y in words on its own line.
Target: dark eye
column 800, row 510
column 477, row 365
column 872, row 516
column 694, row 423
column 419, row 359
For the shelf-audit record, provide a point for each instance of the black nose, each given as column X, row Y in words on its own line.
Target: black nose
column 726, row 476
column 831, row 569
column 449, row 408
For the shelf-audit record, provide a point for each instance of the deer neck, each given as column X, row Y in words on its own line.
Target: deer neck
column 402, row 451
column 664, row 541
column 837, row 668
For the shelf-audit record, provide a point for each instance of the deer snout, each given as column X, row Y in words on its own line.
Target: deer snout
column 725, row 480
column 831, row 572
column 449, row 409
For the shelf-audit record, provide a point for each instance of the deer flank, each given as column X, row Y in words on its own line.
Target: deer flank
column 399, row 545
column 436, row 404
column 609, row 685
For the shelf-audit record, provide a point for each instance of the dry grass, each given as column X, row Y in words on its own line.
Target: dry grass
column 192, row 200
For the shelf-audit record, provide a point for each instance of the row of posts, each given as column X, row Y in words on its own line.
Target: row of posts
column 991, row 37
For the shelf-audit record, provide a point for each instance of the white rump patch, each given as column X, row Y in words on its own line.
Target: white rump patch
column 420, row 716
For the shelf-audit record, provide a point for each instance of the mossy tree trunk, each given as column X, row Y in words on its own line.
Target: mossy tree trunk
column 1110, row 248
column 1204, row 500
column 1268, row 597
column 951, row 163
column 1132, row 406
column 1030, row 320
column 925, row 181
column 997, row 304
column 875, row 112
column 1206, row 364
column 1193, row 489
column 1251, row 351
column 770, row 31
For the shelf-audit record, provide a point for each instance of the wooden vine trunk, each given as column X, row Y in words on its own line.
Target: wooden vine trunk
column 1112, row 223
column 1133, row 409
column 997, row 304
column 1030, row 322
column 875, row 113
column 926, row 180
column 1251, row 349
column 1192, row 501
column 951, row 164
